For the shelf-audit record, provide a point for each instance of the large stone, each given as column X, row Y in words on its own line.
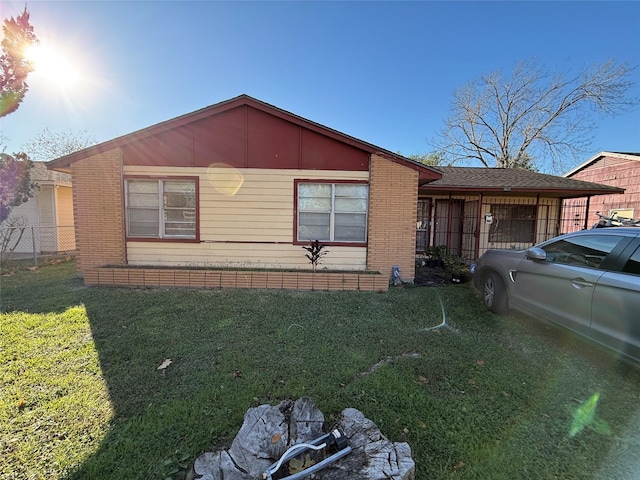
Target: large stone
column 267, row 432
column 306, row 421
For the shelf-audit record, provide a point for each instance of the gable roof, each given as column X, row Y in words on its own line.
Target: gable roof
column 595, row 158
column 512, row 181
column 426, row 173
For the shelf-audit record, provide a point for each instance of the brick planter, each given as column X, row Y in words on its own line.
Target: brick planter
column 280, row 280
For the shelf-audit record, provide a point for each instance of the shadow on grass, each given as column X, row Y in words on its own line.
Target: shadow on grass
column 48, row 288
column 490, row 397
column 230, row 350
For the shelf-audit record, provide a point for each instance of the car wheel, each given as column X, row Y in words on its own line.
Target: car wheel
column 494, row 293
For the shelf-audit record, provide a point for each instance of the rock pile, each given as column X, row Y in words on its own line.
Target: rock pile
column 268, row 431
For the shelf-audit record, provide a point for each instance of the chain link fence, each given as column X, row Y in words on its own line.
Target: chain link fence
column 32, row 241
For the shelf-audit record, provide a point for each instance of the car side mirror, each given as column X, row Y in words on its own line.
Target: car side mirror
column 535, row 253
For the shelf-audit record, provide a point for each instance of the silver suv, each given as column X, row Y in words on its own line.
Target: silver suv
column 586, row 281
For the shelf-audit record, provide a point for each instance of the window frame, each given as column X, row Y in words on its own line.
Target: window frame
column 591, row 249
column 626, row 268
column 496, row 220
column 332, row 182
column 162, row 237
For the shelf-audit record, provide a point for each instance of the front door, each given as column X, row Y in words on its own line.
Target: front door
column 423, row 225
column 448, row 225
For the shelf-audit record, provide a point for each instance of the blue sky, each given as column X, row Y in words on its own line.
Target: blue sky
column 383, row 72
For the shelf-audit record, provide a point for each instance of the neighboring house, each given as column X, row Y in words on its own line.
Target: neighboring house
column 610, row 168
column 472, row 209
column 47, row 217
column 244, row 185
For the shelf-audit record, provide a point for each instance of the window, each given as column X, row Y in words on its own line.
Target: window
column 633, row 265
column 332, row 212
column 621, row 212
column 513, row 223
column 582, row 250
column 164, row 208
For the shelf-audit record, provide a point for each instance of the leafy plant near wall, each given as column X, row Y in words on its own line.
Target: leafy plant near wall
column 316, row 252
column 436, row 257
column 458, row 267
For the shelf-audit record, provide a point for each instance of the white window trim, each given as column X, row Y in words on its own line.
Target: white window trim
column 332, row 213
column 161, row 210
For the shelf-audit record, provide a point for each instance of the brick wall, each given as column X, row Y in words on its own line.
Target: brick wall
column 99, row 214
column 98, row 210
column 393, row 198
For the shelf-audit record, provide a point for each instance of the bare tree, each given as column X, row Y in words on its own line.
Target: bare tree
column 48, row 145
column 532, row 116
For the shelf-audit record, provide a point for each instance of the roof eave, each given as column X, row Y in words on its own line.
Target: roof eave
column 427, row 173
column 67, row 160
column 555, row 192
column 597, row 156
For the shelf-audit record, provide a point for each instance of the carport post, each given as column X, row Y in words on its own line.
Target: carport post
column 586, row 213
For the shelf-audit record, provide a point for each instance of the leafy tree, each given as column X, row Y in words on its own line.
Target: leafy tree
column 508, row 121
column 14, row 67
column 48, row 145
column 16, row 186
column 432, row 159
column 525, row 162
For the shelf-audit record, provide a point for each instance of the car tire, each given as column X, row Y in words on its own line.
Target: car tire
column 494, row 293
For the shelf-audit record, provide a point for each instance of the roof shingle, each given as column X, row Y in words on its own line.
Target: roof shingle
column 480, row 179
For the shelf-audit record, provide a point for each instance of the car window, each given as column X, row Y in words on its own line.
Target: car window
column 633, row 265
column 582, row 250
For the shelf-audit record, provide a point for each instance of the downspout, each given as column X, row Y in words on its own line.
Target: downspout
column 586, row 212
column 559, row 216
column 535, row 225
column 449, row 216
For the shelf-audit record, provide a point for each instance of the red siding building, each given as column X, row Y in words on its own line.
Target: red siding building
column 615, row 169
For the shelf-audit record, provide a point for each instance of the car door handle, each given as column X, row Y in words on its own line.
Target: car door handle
column 580, row 283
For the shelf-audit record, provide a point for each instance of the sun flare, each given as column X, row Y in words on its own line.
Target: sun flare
column 54, row 65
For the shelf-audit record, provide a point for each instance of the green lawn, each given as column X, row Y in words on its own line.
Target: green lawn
column 485, row 397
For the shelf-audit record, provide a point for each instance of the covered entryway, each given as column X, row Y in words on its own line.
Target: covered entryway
column 474, row 209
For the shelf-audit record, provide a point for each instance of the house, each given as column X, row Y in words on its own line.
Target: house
column 471, row 209
column 46, row 219
column 243, row 185
column 610, row 168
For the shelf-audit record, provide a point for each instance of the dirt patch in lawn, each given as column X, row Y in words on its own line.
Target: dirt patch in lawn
column 431, row 277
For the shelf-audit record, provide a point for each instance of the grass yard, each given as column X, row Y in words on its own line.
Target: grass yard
column 485, row 397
